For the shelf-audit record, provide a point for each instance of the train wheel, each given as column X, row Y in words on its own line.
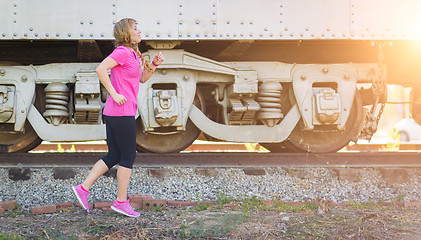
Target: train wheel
column 165, row 143
column 324, row 141
column 27, row 140
column 171, row 142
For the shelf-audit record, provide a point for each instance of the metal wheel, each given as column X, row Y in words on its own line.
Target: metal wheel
column 167, row 143
column 323, row 141
column 27, row 140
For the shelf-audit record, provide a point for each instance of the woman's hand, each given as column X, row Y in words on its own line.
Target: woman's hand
column 158, row 59
column 119, row 99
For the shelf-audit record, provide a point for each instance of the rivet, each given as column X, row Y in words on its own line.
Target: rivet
column 169, row 34
column 347, row 76
column 197, row 35
column 292, row 34
column 206, row 35
column 328, row 29
column 14, row 21
column 91, row 34
column 197, row 21
column 31, row 29
column 14, row 13
column 266, row 29
column 158, row 34
column 3, row 34
column 345, row 109
column 69, row 34
column 147, row 34
column 333, row 35
column 251, row 22
column 242, row 22
column 81, row 22
column 91, row 22
column 303, row 77
column 57, row 34
column 307, row 29
column 323, row 34
column 158, row 22
column 286, row 29
column 228, row 22
column 181, row 5
column 180, row 35
column 186, row 77
column 113, row 13
column 2, row 72
column 24, row 78
column 306, row 109
column 221, row 35
column 241, row 34
column 14, row 5
column 214, row 13
column 234, row 35
column 214, row 35
column 47, row 34
column 81, row 34
column 312, row 35
column 114, row 22
column 163, row 72
column 228, row 34
column 14, row 34
column 214, row 22
column 261, row 35
column 282, row 6
column 180, row 22
column 325, row 70
column 36, row 34
column 113, row 4
column 180, row 13
column 251, row 34
column 188, row 34
column 271, row 34
column 301, row 35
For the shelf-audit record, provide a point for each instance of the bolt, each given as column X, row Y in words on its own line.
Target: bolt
column 25, row 34
column 303, row 77
column 91, row 22
column 24, row 78
column 57, row 34
column 228, row 22
column 31, row 29
column 81, row 34
column 47, row 34
column 81, row 22
column 325, row 70
column 2, row 72
column 347, row 76
column 158, row 22
column 69, row 34
column 186, row 77
column 164, row 72
column 3, row 34
column 197, row 21
column 91, row 34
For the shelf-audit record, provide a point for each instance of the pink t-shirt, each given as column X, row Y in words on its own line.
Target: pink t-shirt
column 125, row 79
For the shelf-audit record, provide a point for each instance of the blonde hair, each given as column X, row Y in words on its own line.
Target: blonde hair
column 123, row 37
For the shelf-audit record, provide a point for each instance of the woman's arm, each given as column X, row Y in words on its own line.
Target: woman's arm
column 158, row 59
column 102, row 72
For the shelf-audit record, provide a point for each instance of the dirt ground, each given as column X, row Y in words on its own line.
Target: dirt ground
column 243, row 221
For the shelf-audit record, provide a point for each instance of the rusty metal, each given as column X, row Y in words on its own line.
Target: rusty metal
column 362, row 159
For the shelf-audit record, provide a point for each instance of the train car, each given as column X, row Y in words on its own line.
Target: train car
column 292, row 75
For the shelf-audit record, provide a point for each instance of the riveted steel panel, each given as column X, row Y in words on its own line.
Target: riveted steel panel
column 310, row 19
column 6, row 15
column 386, row 19
column 158, row 19
column 238, row 19
column 197, row 19
column 76, row 19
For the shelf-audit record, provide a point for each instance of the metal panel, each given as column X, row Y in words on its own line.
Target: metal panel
column 239, row 19
column 76, row 19
column 386, row 19
column 197, row 19
column 310, row 19
column 6, row 13
column 158, row 19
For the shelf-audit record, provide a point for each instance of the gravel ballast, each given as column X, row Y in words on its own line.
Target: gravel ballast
column 185, row 184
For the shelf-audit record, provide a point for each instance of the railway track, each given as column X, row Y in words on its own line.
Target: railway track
column 223, row 159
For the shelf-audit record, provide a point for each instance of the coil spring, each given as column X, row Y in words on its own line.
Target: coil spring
column 269, row 99
column 57, row 99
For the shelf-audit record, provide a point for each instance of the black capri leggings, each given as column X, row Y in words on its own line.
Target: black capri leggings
column 121, row 141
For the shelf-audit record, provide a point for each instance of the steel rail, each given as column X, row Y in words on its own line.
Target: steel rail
column 347, row 159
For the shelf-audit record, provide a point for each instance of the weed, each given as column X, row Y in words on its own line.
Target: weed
column 222, row 199
column 12, row 236
column 250, row 203
column 283, row 207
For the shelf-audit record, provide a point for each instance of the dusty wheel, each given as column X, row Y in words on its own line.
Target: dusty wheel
column 167, row 143
column 28, row 139
column 324, row 141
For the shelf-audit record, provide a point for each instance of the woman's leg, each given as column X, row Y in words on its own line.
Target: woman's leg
column 97, row 171
column 123, row 179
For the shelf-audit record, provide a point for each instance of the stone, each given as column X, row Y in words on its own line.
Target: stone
column 254, row 171
column 348, row 174
column 64, row 173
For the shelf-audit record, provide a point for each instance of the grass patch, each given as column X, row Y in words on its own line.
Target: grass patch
column 12, row 236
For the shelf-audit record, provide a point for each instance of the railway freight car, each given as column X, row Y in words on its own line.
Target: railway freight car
column 292, row 75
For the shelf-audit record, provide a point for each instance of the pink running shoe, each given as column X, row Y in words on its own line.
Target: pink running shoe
column 82, row 196
column 124, row 208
